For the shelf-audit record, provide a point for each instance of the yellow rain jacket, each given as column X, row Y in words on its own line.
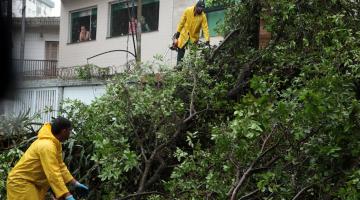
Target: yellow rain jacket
column 40, row 167
column 189, row 27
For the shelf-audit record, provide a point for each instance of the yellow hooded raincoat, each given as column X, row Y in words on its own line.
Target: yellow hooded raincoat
column 189, row 27
column 40, row 167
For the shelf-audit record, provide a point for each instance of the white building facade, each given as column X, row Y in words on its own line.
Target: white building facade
column 40, row 89
column 41, row 38
column 34, row 8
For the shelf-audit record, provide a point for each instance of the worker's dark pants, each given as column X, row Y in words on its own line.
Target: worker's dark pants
column 180, row 55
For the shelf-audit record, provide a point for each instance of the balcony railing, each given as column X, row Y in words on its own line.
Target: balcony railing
column 36, row 69
column 48, row 69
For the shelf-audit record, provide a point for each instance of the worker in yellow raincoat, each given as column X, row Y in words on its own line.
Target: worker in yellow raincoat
column 192, row 20
column 42, row 166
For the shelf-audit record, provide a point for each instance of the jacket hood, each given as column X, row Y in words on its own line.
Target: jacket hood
column 200, row 4
column 45, row 133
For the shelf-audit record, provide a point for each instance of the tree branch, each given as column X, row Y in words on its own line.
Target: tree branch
column 192, row 107
column 157, row 172
column 226, row 39
column 249, row 194
column 301, row 191
column 144, row 181
column 250, row 168
column 141, row 194
column 242, row 78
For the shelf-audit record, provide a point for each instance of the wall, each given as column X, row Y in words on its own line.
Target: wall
column 86, row 94
column 40, row 100
column 84, row 90
column 35, row 101
column 34, row 41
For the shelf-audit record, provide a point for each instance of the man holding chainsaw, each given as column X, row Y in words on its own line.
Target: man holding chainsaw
column 192, row 21
column 42, row 167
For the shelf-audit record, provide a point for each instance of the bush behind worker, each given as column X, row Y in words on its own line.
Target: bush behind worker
column 192, row 21
column 42, row 166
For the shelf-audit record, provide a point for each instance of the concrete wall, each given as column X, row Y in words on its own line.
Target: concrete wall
column 34, row 41
column 45, row 102
column 86, row 94
column 83, row 90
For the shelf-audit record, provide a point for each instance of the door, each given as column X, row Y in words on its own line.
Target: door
column 51, row 50
column 51, row 56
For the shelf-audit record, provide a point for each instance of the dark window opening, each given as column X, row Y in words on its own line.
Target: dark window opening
column 120, row 23
column 83, row 25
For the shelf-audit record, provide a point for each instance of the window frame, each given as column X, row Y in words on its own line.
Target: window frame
column 70, row 23
column 109, row 25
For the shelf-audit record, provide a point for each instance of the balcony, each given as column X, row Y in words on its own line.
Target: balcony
column 48, row 69
column 36, row 69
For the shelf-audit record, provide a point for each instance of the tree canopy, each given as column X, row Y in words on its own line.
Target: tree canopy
column 237, row 121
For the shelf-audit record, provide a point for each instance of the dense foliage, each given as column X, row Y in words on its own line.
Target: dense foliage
column 16, row 134
column 237, row 122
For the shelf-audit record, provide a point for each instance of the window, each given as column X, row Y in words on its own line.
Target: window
column 83, row 25
column 214, row 17
column 120, row 21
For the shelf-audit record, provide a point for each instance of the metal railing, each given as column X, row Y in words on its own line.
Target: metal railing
column 87, row 72
column 48, row 69
column 36, row 69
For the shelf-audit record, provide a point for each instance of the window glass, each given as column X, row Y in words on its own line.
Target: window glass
column 214, row 18
column 83, row 25
column 120, row 23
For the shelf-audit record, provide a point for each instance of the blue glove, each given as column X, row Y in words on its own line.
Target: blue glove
column 70, row 197
column 81, row 189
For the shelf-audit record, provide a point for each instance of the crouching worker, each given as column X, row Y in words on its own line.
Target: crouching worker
column 42, row 166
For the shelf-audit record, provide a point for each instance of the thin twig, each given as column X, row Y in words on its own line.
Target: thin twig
column 141, row 194
column 250, row 168
column 301, row 191
column 249, row 194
